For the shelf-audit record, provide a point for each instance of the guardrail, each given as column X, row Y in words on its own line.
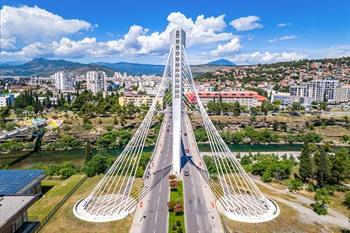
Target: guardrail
column 59, row 205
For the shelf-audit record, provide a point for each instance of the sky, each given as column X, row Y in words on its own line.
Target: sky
column 245, row 32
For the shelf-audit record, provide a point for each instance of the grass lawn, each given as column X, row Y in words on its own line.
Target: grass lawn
column 173, row 218
column 52, row 197
column 64, row 220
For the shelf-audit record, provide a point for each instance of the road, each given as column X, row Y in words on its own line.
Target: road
column 196, row 212
column 200, row 213
column 19, row 130
column 155, row 218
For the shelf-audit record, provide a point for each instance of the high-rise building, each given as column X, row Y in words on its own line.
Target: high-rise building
column 64, row 81
column 342, row 94
column 318, row 90
column 96, row 81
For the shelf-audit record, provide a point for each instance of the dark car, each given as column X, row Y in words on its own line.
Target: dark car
column 185, row 134
column 187, row 151
column 186, row 173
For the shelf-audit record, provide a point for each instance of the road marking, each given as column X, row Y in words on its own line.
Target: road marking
column 158, row 201
column 197, row 220
column 160, row 188
column 155, row 219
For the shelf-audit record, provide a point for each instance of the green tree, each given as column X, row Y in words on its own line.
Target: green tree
column 236, row 109
column 322, row 167
column 305, row 164
column 88, row 152
column 340, row 165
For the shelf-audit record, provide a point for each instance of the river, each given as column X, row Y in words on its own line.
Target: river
column 77, row 157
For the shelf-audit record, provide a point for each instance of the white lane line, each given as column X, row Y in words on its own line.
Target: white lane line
column 158, row 201
column 155, row 219
column 197, row 220
column 160, row 188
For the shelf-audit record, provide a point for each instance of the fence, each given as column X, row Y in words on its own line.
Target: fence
column 54, row 210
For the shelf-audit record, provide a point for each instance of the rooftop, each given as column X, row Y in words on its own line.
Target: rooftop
column 11, row 205
column 17, row 181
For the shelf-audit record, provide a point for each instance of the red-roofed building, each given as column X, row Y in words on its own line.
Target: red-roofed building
column 247, row 98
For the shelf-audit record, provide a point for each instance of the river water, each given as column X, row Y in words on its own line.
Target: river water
column 77, row 157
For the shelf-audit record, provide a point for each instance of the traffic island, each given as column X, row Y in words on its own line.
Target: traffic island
column 176, row 206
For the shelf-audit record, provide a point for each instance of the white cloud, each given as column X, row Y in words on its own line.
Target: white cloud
column 227, row 49
column 339, row 51
column 137, row 41
column 247, row 23
column 267, row 57
column 283, row 38
column 281, row 25
column 33, row 24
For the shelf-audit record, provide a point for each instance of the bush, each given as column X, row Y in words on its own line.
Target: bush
column 179, row 230
column 87, row 126
column 294, row 185
column 347, row 199
column 319, row 208
column 178, row 223
column 174, row 227
column 98, row 164
column 322, row 195
column 178, row 208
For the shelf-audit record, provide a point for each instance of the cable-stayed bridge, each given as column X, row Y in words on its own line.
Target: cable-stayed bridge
column 229, row 191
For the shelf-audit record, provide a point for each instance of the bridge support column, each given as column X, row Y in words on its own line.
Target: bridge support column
column 178, row 39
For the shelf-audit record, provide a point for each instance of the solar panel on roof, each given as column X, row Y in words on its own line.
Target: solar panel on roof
column 12, row 181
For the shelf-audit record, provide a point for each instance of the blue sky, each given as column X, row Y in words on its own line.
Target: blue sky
column 246, row 32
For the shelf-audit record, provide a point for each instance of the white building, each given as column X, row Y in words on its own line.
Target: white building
column 342, row 94
column 318, row 90
column 96, row 81
column 7, row 100
column 64, row 81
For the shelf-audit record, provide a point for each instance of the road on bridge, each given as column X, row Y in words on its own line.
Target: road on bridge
column 201, row 216
column 155, row 217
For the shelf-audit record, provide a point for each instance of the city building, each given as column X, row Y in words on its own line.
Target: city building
column 247, row 98
column 136, row 99
column 95, row 81
column 318, row 90
column 19, row 189
column 64, row 81
column 342, row 94
column 21, row 182
column 7, row 100
column 13, row 213
column 283, row 97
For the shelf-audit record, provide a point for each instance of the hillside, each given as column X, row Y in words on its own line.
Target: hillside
column 221, row 62
column 44, row 67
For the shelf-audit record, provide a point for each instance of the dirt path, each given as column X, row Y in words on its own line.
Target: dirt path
column 306, row 213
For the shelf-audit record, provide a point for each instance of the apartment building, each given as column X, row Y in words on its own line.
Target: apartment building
column 64, row 81
column 96, row 81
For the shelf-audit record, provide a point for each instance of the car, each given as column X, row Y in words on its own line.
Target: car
column 187, row 151
column 186, row 173
column 185, row 134
column 167, row 130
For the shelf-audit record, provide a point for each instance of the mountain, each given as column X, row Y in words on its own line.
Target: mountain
column 221, row 62
column 44, row 67
column 134, row 68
